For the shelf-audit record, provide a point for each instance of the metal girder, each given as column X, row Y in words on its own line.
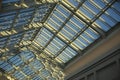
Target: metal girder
column 20, row 5
column 44, row 19
column 41, row 50
column 55, row 34
column 33, row 28
column 101, row 32
column 68, row 44
column 20, row 38
column 38, row 51
column 36, row 32
column 50, row 12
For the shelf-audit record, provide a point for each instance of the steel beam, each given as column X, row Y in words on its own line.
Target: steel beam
column 29, row 3
column 101, row 32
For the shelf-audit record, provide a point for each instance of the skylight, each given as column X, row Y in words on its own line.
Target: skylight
column 37, row 41
column 18, row 27
column 73, row 26
column 15, row 66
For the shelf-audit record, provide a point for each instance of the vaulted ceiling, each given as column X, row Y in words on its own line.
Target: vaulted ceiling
column 39, row 38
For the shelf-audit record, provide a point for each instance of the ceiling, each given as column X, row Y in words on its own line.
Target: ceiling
column 39, row 38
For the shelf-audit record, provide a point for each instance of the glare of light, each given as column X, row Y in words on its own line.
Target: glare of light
column 10, row 78
column 21, row 5
column 16, row 5
column 24, row 5
column 38, row 1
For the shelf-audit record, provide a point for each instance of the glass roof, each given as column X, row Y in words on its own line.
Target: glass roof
column 26, row 65
column 36, row 36
column 75, row 25
column 19, row 27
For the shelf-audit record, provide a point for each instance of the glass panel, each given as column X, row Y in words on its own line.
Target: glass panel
column 16, row 60
column 73, row 26
column 83, row 11
column 57, row 20
column 28, row 35
column 51, row 78
column 18, row 75
column 55, row 45
column 92, row 7
column 24, row 14
column 27, row 70
column 86, row 38
column 67, row 54
column 8, row 1
column 6, row 17
column 76, row 21
column 3, row 42
column 45, row 73
column 74, row 3
column 67, row 33
column 101, row 4
column 6, row 66
column 27, row 55
column 92, row 33
column 63, row 10
column 71, row 29
column 37, row 78
column 106, row 18
column 109, row 18
column 43, row 37
column 19, row 20
column 53, row 24
column 102, row 25
column 37, row 65
column 28, row 10
column 6, row 20
column 116, row 6
column 7, row 14
column 113, row 14
column 58, row 17
column 41, row 12
column 63, row 57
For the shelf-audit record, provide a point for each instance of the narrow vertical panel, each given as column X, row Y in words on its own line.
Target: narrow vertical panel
column 82, row 79
column 90, row 76
column 0, row 4
column 119, row 68
column 108, row 72
column 119, row 62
